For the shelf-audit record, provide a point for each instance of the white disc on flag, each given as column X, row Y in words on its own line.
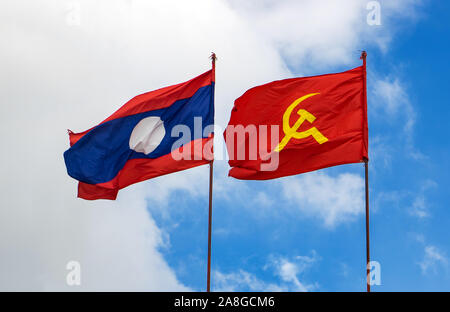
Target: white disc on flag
column 147, row 135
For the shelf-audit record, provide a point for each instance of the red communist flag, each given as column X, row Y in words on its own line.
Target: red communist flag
column 297, row 125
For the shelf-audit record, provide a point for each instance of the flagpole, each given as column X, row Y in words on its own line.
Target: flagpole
column 211, row 164
column 366, row 167
column 366, row 171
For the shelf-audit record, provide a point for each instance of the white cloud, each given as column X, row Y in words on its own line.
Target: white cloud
column 380, row 154
column 395, row 98
column 344, row 269
column 420, row 205
column 388, row 200
column 286, row 270
column 262, row 199
column 242, row 281
column 390, row 103
column 116, row 243
column 55, row 76
column 333, row 200
column 289, row 270
column 316, row 34
column 433, row 258
column 420, row 238
column 415, row 202
column 419, row 208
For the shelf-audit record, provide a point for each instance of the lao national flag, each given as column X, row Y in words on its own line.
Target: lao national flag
column 153, row 134
column 304, row 124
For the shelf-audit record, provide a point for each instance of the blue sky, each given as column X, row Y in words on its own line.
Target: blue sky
column 248, row 236
column 71, row 63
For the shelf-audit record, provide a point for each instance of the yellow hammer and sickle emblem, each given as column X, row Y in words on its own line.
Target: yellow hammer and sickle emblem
column 291, row 132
